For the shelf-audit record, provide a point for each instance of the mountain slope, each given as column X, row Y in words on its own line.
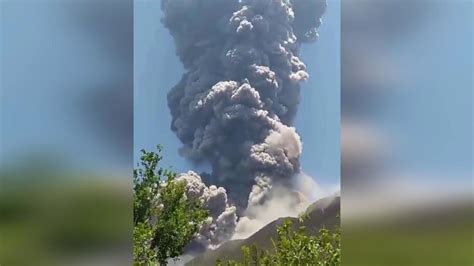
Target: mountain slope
column 322, row 213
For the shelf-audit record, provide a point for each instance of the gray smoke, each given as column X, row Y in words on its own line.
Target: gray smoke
column 222, row 220
column 235, row 104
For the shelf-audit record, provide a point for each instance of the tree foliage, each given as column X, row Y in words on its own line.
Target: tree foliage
column 294, row 247
column 165, row 221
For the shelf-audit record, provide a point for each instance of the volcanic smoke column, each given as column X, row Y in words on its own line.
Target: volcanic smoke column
column 235, row 104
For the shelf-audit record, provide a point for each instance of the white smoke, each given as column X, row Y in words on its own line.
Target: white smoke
column 283, row 202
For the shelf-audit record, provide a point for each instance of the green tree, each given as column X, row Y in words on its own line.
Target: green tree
column 294, row 247
column 165, row 221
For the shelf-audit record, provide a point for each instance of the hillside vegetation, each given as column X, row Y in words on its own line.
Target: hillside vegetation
column 323, row 213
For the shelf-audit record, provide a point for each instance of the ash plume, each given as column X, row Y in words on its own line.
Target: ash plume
column 235, row 104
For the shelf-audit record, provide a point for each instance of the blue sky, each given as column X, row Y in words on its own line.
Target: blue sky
column 427, row 110
column 157, row 69
column 60, row 65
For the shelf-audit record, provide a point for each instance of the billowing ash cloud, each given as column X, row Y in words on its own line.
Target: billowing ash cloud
column 235, row 104
column 222, row 220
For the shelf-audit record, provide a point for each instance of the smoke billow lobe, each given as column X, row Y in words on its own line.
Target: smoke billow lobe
column 221, row 223
column 235, row 104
